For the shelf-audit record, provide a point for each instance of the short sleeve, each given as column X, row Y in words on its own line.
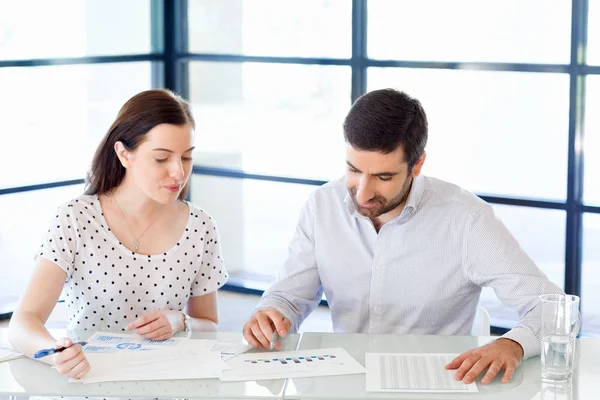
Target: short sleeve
column 212, row 274
column 60, row 243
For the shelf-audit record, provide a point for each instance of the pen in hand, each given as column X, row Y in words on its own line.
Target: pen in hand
column 274, row 338
column 47, row 352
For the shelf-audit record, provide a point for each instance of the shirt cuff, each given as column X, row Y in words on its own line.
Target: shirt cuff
column 529, row 342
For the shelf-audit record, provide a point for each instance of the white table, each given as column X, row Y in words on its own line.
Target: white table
column 526, row 383
column 26, row 377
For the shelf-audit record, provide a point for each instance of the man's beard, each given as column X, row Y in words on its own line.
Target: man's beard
column 383, row 205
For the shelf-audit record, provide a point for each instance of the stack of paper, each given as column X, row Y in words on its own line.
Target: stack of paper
column 229, row 350
column 8, row 354
column 120, row 357
column 412, row 372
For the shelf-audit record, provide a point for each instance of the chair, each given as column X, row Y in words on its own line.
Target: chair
column 481, row 323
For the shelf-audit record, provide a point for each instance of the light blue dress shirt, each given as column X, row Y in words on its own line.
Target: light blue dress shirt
column 421, row 274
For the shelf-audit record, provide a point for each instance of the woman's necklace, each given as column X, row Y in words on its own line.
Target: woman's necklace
column 136, row 240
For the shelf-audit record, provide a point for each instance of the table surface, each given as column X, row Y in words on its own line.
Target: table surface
column 25, row 377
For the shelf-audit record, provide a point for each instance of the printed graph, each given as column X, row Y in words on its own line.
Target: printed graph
column 292, row 360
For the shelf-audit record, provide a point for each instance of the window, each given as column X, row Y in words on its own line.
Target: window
column 509, row 98
column 251, row 115
column 65, row 70
column 485, row 127
column 73, row 28
column 317, row 28
column 55, row 131
column 470, row 31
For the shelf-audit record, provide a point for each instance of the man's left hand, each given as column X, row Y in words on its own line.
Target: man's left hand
column 502, row 354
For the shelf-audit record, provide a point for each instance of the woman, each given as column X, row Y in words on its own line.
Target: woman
column 131, row 252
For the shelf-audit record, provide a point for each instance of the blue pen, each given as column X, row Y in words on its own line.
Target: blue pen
column 47, row 352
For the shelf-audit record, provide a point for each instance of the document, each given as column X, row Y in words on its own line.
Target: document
column 413, row 372
column 9, row 354
column 291, row 364
column 229, row 350
column 121, row 357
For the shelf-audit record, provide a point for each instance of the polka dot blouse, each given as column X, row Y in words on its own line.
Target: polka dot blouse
column 108, row 286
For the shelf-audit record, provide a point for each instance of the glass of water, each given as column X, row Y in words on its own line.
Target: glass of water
column 560, row 325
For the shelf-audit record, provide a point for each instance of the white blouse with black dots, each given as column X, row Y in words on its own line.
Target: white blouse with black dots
column 109, row 286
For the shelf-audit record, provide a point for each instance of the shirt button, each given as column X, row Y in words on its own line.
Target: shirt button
column 378, row 267
column 376, row 309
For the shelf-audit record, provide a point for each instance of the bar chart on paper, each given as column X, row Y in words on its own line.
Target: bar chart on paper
column 293, row 360
column 409, row 372
column 291, row 364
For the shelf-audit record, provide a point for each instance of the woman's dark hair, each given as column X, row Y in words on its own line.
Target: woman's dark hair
column 138, row 115
column 384, row 119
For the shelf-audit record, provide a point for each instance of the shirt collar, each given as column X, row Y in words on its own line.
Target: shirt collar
column 412, row 201
column 416, row 193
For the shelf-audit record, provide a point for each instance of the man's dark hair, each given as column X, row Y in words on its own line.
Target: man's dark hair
column 384, row 119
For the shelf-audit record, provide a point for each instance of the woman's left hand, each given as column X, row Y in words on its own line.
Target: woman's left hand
column 158, row 325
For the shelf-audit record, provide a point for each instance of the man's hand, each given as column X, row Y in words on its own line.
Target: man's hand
column 259, row 328
column 502, row 354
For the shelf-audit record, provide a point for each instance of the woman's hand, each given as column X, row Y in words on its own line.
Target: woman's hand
column 70, row 362
column 158, row 325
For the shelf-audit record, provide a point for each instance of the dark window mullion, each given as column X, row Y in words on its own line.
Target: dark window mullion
column 574, row 223
column 359, row 49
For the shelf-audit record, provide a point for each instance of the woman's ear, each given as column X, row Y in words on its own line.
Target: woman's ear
column 125, row 156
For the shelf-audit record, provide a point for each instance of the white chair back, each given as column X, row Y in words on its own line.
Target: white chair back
column 481, row 323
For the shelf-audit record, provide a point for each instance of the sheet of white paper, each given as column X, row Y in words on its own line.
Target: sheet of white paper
column 122, row 357
column 7, row 355
column 229, row 350
column 413, row 372
column 291, row 364
column 207, row 365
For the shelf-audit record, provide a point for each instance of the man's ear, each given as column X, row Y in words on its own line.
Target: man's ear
column 416, row 171
column 125, row 156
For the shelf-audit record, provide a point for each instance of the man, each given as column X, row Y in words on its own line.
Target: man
column 399, row 252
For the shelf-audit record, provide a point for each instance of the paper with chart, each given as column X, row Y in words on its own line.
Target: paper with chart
column 413, row 372
column 291, row 364
column 121, row 357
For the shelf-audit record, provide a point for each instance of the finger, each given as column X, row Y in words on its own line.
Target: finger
column 158, row 334
column 78, row 369
column 85, row 372
column 166, row 336
column 510, row 370
column 281, row 326
column 63, row 342
column 260, row 335
column 68, row 354
column 64, row 366
column 152, row 326
column 466, row 366
column 265, row 323
column 249, row 336
column 458, row 360
column 492, row 372
column 476, row 370
column 144, row 320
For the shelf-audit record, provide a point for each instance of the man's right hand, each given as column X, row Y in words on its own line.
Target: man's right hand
column 260, row 327
column 71, row 362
